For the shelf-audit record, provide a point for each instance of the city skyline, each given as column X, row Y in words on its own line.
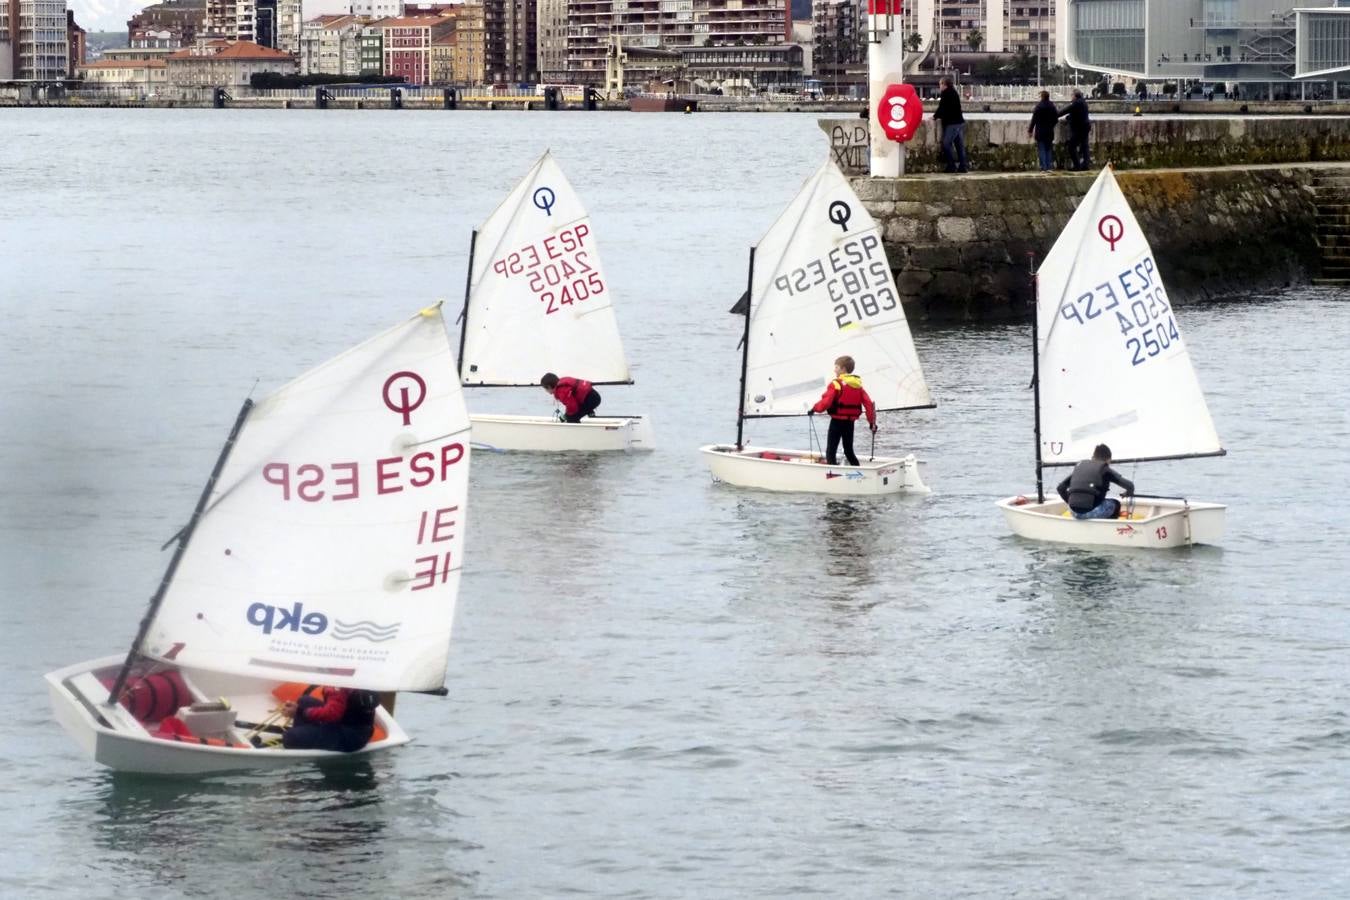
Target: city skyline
column 112, row 15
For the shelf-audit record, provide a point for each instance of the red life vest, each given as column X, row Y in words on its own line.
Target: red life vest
column 848, row 399
column 570, row 392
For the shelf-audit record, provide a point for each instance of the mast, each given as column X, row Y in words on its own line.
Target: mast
column 745, row 350
column 1036, row 368
column 464, row 313
column 184, row 536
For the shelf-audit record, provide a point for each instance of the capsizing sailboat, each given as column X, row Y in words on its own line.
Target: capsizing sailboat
column 326, row 548
column 1110, row 366
column 537, row 300
column 820, row 287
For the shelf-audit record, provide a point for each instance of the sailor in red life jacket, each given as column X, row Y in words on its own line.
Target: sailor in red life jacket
column 331, row 718
column 844, row 399
column 577, row 396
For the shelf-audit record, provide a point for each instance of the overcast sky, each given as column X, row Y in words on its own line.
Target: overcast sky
column 112, row 15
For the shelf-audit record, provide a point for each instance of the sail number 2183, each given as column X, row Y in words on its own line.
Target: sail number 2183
column 854, row 276
column 1133, row 302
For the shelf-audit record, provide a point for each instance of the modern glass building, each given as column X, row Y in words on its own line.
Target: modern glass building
column 1247, row 42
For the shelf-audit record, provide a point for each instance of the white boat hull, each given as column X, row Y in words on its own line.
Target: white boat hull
column 112, row 737
column 1154, row 523
column 770, row 469
column 544, row 434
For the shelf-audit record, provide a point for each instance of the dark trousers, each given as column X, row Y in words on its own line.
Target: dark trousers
column 1079, row 153
column 325, row 736
column 840, row 430
column 587, row 407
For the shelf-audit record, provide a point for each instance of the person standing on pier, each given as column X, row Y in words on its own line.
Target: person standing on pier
column 1044, row 118
column 953, row 128
column 1079, row 128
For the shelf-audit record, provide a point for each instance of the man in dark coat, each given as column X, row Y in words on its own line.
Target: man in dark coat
column 1079, row 128
column 953, row 128
column 1044, row 118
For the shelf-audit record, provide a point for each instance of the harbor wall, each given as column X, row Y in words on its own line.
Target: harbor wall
column 1128, row 143
column 961, row 246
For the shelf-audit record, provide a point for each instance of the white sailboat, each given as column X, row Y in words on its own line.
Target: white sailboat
column 820, row 287
column 1110, row 366
column 537, row 301
column 326, row 548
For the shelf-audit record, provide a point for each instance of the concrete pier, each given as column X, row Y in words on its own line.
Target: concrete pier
column 962, row 246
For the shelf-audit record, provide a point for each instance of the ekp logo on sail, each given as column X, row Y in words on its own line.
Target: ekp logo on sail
column 275, row 618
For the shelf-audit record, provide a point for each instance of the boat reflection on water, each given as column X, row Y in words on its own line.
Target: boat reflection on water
column 336, row 826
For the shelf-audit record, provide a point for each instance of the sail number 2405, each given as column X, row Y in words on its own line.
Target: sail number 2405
column 854, row 276
column 1135, row 302
column 558, row 269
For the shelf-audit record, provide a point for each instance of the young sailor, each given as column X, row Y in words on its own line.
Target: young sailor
column 845, row 400
column 337, row 719
column 577, row 396
column 1086, row 486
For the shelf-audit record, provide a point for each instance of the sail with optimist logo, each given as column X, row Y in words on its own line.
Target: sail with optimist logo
column 329, row 549
column 821, row 288
column 537, row 297
column 1113, row 365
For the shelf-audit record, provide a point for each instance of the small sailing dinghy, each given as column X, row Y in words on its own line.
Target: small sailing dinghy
column 1110, row 366
column 325, row 549
column 821, row 287
column 537, row 301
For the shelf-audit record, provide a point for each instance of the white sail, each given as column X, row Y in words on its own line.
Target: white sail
column 331, row 547
column 1113, row 364
column 822, row 289
column 538, row 298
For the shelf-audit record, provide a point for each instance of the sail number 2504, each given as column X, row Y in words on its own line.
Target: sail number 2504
column 1134, row 301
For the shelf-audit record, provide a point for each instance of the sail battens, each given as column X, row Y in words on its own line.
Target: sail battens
column 822, row 287
column 334, row 540
column 538, row 299
column 1112, row 364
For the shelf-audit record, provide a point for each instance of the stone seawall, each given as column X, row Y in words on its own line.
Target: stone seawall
column 1142, row 143
column 959, row 245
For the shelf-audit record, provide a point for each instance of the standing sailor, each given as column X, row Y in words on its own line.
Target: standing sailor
column 845, row 400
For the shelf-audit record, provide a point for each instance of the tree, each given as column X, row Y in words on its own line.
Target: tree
column 1023, row 65
column 975, row 39
column 991, row 69
column 913, row 42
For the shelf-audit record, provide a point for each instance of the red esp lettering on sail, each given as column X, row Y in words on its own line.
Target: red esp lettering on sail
column 558, row 268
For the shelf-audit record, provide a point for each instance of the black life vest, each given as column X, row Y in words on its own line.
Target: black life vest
column 1087, row 485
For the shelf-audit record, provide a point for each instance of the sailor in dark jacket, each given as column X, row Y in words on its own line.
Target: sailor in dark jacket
column 1085, row 488
column 953, row 128
column 330, row 718
column 1079, row 128
column 1044, row 118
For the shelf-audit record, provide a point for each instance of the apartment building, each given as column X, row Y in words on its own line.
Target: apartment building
column 34, row 44
column 174, row 23
column 594, row 26
column 331, row 45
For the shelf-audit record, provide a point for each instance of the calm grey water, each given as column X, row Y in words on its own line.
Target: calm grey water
column 658, row 687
